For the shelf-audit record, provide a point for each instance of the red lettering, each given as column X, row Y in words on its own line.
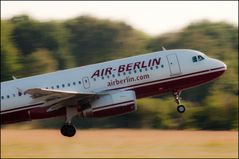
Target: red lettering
column 117, row 82
column 137, row 65
column 97, row 74
column 143, row 65
column 149, row 63
column 129, row 67
column 102, row 72
column 121, row 68
column 156, row 61
column 108, row 70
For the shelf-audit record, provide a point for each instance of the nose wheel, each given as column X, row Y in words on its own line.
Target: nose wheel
column 68, row 129
column 180, row 108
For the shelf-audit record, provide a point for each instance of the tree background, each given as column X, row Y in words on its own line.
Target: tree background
column 41, row 47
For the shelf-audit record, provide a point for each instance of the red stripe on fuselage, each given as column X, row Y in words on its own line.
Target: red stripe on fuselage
column 22, row 108
column 145, row 91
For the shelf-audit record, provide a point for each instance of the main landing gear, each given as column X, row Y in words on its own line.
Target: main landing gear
column 180, row 108
column 68, row 129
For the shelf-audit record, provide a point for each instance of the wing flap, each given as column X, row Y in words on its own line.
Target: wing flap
column 59, row 98
column 49, row 93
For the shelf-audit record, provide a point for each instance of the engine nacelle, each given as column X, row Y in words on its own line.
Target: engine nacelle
column 112, row 104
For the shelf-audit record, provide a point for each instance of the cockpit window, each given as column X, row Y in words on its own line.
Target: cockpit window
column 200, row 58
column 197, row 58
column 194, row 59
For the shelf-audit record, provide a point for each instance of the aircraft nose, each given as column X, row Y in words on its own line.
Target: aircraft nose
column 220, row 64
column 223, row 65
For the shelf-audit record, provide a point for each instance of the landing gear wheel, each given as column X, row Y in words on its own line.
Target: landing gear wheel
column 68, row 130
column 176, row 94
column 181, row 109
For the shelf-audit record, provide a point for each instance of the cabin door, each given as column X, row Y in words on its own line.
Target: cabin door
column 86, row 82
column 173, row 64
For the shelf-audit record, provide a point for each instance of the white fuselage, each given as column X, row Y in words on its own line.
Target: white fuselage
column 146, row 72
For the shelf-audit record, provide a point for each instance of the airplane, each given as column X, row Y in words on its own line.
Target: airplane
column 106, row 89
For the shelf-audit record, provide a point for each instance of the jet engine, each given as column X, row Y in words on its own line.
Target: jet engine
column 112, row 104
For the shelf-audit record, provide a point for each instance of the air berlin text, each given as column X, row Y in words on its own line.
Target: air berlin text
column 127, row 67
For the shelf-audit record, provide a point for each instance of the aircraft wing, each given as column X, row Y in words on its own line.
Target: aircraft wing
column 59, row 98
column 49, row 93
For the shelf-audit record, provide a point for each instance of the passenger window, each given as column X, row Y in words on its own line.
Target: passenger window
column 194, row 59
column 8, row 96
column 2, row 97
column 200, row 58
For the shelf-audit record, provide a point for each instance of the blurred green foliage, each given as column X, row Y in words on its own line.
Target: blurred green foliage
column 41, row 47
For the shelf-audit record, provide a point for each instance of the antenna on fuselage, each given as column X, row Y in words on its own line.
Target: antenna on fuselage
column 14, row 78
column 163, row 49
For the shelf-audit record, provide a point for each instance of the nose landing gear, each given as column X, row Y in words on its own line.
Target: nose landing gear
column 68, row 129
column 180, row 108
